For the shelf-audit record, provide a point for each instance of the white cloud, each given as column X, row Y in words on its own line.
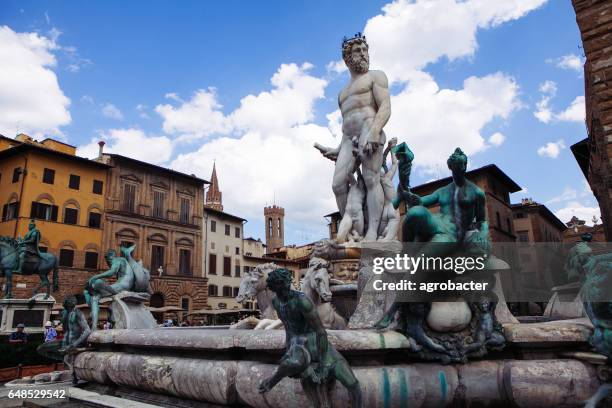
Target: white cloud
column 418, row 108
column 497, row 139
column 569, row 61
column 133, row 143
column 31, row 100
column 548, row 89
column 265, row 165
column 551, row 149
column 409, row 35
column 197, row 118
column 142, row 111
column 112, row 112
column 289, row 103
column 544, row 113
column 575, row 112
column 336, row 67
column 579, row 210
column 87, row 99
column 270, row 151
column 567, row 194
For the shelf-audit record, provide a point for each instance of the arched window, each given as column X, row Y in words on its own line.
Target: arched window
column 278, row 228
column 270, row 227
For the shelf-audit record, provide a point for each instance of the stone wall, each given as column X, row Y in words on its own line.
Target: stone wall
column 595, row 22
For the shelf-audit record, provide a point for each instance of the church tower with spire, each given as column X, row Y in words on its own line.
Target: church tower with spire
column 213, row 195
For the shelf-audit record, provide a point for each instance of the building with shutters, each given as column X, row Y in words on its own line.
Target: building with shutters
column 64, row 193
column 159, row 211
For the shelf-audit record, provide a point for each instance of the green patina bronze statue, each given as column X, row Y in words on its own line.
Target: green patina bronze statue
column 129, row 274
column 595, row 271
column 461, row 223
column 28, row 246
column 22, row 256
column 76, row 331
column 309, row 355
column 459, row 229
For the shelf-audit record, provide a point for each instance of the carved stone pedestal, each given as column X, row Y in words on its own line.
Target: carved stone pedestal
column 129, row 312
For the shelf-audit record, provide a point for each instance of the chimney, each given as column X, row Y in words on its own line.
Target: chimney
column 101, row 151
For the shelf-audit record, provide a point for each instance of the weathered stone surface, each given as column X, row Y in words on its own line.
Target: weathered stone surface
column 199, row 379
column 129, row 311
column 449, row 316
column 550, row 383
column 524, row 383
column 549, row 333
column 90, row 366
column 565, row 303
column 269, row 340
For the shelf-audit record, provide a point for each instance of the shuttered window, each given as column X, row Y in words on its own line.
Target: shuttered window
column 66, row 258
column 227, row 266
column 184, row 214
column 10, row 211
column 129, row 197
column 91, row 260
column 158, row 204
column 71, row 216
column 41, row 211
column 185, row 262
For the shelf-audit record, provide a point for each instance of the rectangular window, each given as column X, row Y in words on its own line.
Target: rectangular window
column 212, row 264
column 237, row 250
column 95, row 220
column 227, row 291
column 158, row 204
column 236, row 290
column 74, row 182
column 523, row 236
column 185, row 262
column 227, row 229
column 43, row 211
column 71, row 216
column 10, row 211
column 48, row 176
column 213, row 226
column 129, row 197
column 98, row 186
column 66, row 257
column 237, row 271
column 185, row 304
column 227, row 266
column 91, row 260
column 16, row 174
column 184, row 213
column 212, row 290
column 157, row 258
column 237, row 232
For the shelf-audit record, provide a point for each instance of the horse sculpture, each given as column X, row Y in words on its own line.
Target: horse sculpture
column 315, row 286
column 253, row 286
column 9, row 259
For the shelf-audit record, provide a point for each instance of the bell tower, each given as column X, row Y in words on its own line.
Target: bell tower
column 213, row 195
column 274, row 221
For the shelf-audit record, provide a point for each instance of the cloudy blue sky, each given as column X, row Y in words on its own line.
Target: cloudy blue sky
column 254, row 84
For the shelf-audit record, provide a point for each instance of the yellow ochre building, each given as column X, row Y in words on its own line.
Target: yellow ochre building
column 64, row 193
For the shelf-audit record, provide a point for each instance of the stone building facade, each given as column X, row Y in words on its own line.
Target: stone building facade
column 594, row 154
column 576, row 227
column 160, row 212
column 540, row 269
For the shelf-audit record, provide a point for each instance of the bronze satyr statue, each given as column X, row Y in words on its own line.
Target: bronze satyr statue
column 309, row 355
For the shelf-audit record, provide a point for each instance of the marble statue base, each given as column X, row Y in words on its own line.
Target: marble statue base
column 565, row 302
column 33, row 312
column 225, row 367
column 129, row 312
